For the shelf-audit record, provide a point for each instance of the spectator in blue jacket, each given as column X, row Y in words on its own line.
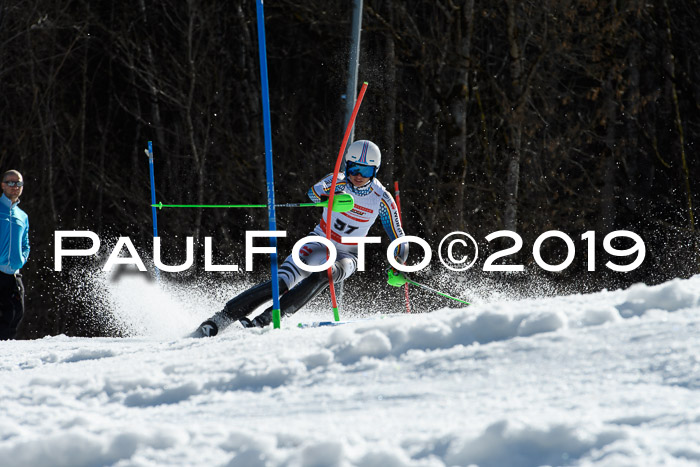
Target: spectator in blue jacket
column 14, row 250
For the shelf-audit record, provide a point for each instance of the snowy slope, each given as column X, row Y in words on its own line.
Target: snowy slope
column 611, row 378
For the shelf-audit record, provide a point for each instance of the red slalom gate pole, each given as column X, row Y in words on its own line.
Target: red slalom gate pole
column 398, row 207
column 338, row 162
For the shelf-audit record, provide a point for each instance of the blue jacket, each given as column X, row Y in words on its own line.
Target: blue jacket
column 14, row 236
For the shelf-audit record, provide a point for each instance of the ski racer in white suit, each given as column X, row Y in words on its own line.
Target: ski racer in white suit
column 297, row 286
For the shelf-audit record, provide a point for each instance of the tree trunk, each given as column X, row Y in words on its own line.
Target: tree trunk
column 671, row 68
column 515, row 120
column 389, row 102
column 83, row 117
column 608, row 211
column 151, row 83
column 458, row 108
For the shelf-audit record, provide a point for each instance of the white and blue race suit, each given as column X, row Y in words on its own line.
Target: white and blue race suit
column 371, row 201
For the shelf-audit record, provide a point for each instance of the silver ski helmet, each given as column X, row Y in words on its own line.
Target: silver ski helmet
column 363, row 157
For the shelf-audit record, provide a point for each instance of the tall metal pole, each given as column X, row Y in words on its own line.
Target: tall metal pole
column 354, row 66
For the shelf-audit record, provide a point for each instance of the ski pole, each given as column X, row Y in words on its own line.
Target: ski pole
column 343, row 202
column 423, row 286
column 397, row 280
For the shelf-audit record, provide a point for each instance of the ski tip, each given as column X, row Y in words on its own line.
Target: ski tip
column 318, row 324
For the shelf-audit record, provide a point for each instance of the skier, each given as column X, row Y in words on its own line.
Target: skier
column 296, row 286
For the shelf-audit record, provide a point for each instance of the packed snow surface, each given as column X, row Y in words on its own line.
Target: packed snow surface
column 611, row 378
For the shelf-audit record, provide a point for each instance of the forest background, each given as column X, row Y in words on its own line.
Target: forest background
column 520, row 115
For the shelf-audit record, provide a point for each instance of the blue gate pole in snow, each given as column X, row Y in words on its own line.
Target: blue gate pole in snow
column 272, row 221
column 149, row 153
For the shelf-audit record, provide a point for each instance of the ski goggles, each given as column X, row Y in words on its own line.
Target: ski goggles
column 353, row 168
column 14, row 183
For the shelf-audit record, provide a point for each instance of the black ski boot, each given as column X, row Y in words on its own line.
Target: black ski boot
column 260, row 321
column 211, row 327
column 237, row 308
column 206, row 329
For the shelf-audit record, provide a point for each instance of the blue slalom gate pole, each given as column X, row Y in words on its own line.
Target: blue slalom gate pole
column 272, row 220
column 149, row 153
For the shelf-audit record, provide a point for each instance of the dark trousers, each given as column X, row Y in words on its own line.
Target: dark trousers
column 290, row 301
column 11, row 304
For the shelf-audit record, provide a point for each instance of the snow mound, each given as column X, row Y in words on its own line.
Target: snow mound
column 503, row 444
column 481, row 324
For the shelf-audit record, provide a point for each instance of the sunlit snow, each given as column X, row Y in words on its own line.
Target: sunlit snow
column 611, row 378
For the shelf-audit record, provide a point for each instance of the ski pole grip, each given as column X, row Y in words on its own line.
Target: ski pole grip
column 343, row 202
column 394, row 278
